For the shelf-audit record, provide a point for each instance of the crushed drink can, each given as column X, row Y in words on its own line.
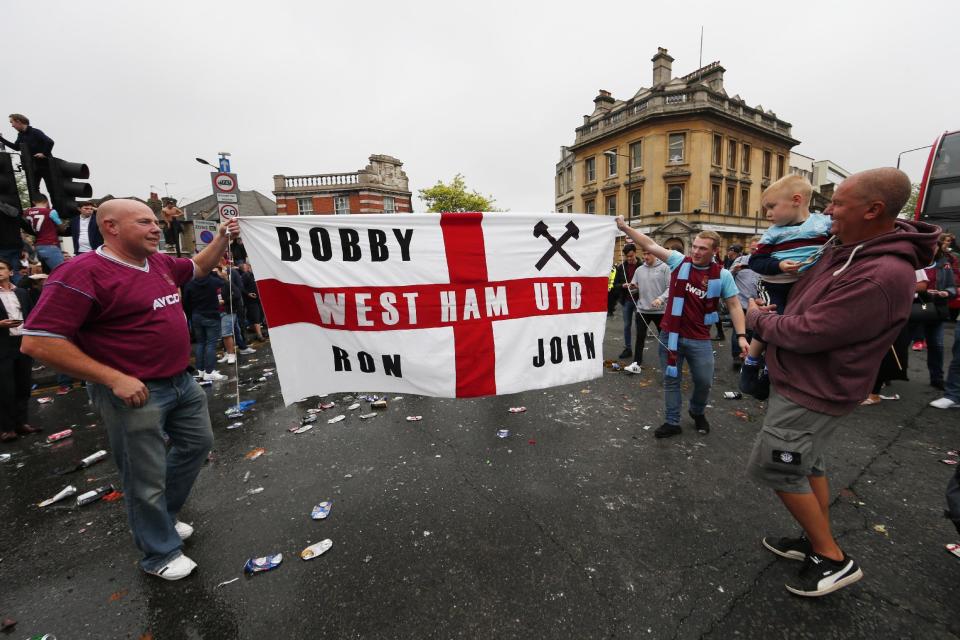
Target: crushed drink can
column 326, row 405
column 308, row 419
column 517, row 409
column 322, row 510
column 5, row 456
column 732, row 395
column 93, row 495
column 266, row 563
column 317, row 549
column 355, row 405
column 93, row 459
column 367, row 416
column 336, row 419
column 234, row 425
column 503, row 433
column 414, row 418
column 379, row 404
column 303, row 428
column 60, row 435
column 66, row 492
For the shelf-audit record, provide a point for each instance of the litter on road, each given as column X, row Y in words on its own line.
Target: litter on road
column 317, row 549
column 367, row 416
column 517, row 409
column 322, row 510
column 93, row 495
column 66, row 492
column 503, row 433
column 266, row 563
column 336, row 419
column 414, row 418
column 226, row 582
column 255, row 453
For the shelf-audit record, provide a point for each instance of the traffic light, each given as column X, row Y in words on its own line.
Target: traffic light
column 63, row 190
column 9, row 194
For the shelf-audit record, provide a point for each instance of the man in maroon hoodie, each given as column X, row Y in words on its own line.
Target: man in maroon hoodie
column 823, row 356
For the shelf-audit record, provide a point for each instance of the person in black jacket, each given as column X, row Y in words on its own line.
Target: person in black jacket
column 202, row 304
column 84, row 230
column 252, row 300
column 15, row 367
column 36, row 146
column 12, row 223
column 621, row 282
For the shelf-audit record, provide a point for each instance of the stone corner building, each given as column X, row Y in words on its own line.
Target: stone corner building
column 679, row 157
column 381, row 187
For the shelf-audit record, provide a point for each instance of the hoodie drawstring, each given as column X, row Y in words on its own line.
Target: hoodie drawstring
column 849, row 260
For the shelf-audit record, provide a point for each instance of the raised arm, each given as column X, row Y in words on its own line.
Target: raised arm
column 643, row 241
column 209, row 258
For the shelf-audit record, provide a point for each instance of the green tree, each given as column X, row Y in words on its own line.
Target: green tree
column 454, row 197
column 908, row 209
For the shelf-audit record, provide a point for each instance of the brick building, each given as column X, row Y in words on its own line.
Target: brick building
column 381, row 187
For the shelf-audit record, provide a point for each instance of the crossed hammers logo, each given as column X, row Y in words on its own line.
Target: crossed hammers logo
column 556, row 245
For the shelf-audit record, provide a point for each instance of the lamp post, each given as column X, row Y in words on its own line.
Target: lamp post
column 612, row 153
column 908, row 151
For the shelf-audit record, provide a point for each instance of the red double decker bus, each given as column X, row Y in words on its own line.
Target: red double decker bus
column 939, row 199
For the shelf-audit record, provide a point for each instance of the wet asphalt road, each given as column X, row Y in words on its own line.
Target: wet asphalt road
column 579, row 525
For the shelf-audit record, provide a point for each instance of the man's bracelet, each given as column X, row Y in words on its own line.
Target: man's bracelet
column 741, row 335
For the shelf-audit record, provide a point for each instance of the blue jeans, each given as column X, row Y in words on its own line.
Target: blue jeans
column 156, row 482
column 699, row 357
column 933, row 334
column 50, row 255
column 629, row 312
column 207, row 331
column 952, row 385
column 13, row 257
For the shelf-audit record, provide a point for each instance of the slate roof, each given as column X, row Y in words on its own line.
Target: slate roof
column 252, row 203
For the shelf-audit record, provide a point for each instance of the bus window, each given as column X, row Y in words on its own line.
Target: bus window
column 947, row 162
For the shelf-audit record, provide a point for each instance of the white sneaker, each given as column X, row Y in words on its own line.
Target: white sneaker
column 183, row 529
column 178, row 568
column 214, row 376
column 633, row 367
column 944, row 403
column 231, row 358
column 247, row 351
column 223, row 358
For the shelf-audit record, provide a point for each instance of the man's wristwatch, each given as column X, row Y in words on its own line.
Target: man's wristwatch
column 741, row 335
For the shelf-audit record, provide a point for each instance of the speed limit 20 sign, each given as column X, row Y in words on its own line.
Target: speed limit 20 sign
column 227, row 210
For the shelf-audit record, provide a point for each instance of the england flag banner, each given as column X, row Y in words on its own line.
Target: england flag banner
column 449, row 305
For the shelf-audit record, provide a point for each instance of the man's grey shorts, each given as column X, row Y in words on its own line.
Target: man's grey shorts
column 790, row 446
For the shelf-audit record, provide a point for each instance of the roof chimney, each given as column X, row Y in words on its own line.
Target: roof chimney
column 662, row 67
column 604, row 101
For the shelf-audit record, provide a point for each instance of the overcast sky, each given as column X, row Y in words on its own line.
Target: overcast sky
column 487, row 89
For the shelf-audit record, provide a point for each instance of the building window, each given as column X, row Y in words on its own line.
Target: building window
column 767, row 160
column 589, row 206
column 732, row 155
column 569, row 181
column 715, row 198
column 341, row 205
column 611, row 205
column 745, row 159
column 675, row 198
column 389, row 205
column 611, row 156
column 305, row 206
column 780, row 164
column 590, row 169
column 731, row 200
column 635, row 203
column 569, row 208
column 677, row 144
column 744, row 202
column 717, row 150
column 636, row 155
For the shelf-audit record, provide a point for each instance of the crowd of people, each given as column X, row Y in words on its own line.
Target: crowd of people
column 818, row 306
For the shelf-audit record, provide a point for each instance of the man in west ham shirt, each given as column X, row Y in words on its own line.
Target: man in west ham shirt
column 96, row 318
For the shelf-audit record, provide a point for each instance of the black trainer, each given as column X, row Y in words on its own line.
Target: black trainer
column 789, row 548
column 701, row 421
column 666, row 430
column 627, row 353
column 820, row 576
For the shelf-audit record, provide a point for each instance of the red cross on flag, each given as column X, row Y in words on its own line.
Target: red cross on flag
column 450, row 305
